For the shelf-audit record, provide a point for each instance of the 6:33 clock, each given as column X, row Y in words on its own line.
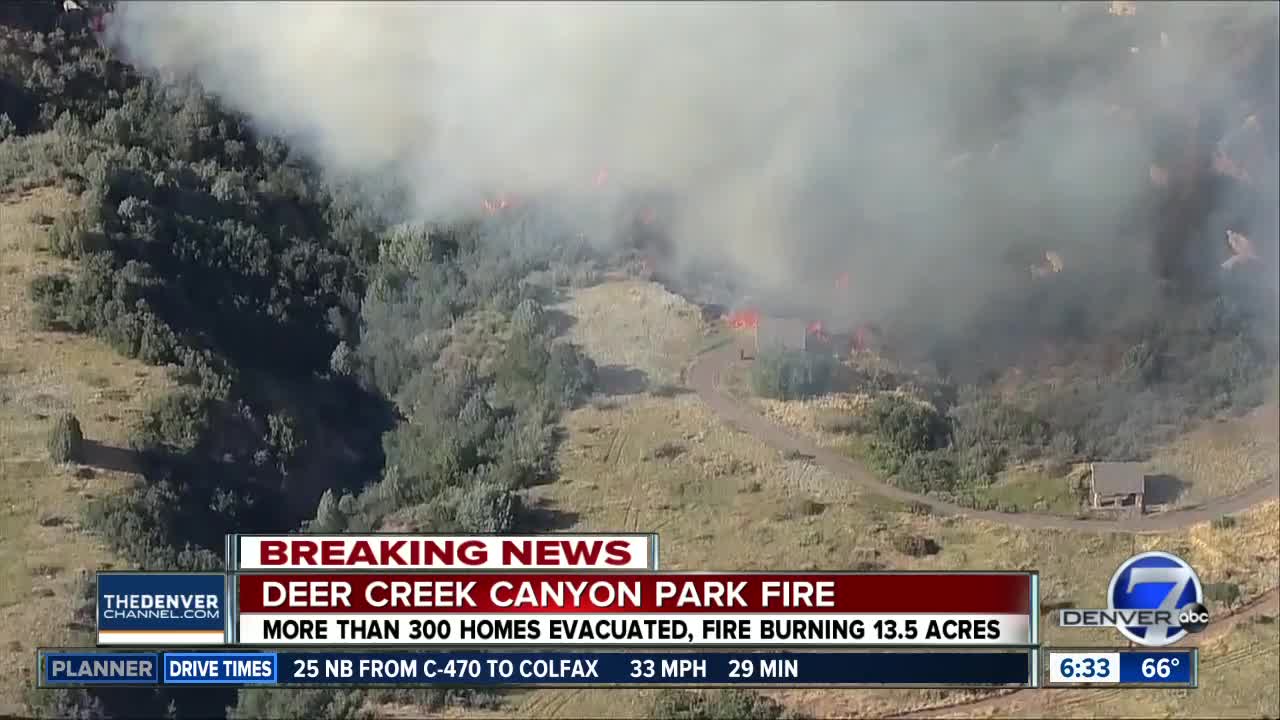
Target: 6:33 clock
column 1083, row 667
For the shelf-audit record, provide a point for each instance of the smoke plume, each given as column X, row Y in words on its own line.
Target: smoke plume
column 909, row 145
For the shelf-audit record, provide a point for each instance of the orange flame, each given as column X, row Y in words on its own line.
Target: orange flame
column 500, row 203
column 744, row 319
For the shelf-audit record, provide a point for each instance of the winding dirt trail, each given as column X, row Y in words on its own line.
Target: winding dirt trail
column 705, row 374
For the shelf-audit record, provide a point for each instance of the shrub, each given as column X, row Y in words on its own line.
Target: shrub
column 909, row 425
column 70, row 236
column 175, row 422
column 793, row 455
column 916, row 507
column 791, row 374
column 343, row 360
column 50, row 290
column 283, row 437
column 902, row 428
column 979, row 465
column 915, row 546
column 715, row 705
column 667, row 451
column 331, row 515
column 287, row 704
column 570, row 374
column 928, row 472
column 875, row 379
column 1225, row 522
column 66, row 441
column 982, row 420
column 486, row 506
column 1225, row 593
column 794, row 508
column 50, row 294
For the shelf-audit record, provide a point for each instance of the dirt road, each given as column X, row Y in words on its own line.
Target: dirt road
column 704, row 376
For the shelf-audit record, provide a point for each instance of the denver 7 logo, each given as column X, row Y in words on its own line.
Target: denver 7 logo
column 1155, row 581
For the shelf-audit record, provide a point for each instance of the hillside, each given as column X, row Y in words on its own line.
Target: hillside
column 243, row 346
column 45, row 554
column 644, row 460
column 324, row 330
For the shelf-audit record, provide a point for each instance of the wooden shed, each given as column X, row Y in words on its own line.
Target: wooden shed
column 1117, row 484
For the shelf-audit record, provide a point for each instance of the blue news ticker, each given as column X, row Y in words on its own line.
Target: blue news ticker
column 937, row 668
column 158, row 602
column 1169, row 667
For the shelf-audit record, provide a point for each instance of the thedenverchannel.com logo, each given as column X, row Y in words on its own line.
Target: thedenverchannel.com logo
column 1156, row 599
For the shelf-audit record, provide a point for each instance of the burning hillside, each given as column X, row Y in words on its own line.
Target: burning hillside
column 1038, row 128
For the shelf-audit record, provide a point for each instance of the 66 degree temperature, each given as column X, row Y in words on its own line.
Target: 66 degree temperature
column 1162, row 668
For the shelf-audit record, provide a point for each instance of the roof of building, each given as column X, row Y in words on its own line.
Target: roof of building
column 1118, row 478
column 785, row 333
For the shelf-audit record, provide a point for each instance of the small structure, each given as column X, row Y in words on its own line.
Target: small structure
column 772, row 333
column 1117, row 484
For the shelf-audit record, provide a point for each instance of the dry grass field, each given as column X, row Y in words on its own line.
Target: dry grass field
column 41, row 374
column 722, row 501
column 638, row 331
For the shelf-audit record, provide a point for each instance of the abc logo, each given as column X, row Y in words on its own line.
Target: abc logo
column 1194, row 617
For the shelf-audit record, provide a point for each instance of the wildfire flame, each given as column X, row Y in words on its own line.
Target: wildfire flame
column 744, row 319
column 500, row 203
column 506, row 201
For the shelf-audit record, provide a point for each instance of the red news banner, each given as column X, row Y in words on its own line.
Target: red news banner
column 671, row 609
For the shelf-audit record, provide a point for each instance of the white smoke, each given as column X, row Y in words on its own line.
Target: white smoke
column 802, row 135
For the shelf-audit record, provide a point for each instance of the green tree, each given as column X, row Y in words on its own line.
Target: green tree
column 902, row 428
